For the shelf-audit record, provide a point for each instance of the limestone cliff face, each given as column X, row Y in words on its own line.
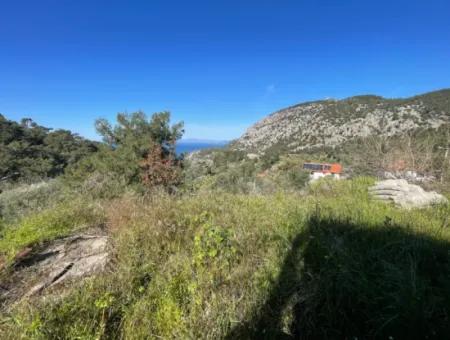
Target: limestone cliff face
column 331, row 122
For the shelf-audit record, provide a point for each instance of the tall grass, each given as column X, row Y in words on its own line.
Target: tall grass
column 24, row 199
column 327, row 264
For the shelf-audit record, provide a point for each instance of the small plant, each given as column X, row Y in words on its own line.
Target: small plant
column 213, row 244
column 102, row 304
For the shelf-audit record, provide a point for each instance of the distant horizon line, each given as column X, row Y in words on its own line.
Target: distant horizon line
column 203, row 140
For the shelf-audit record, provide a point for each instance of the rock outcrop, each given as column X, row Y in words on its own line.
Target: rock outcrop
column 66, row 259
column 333, row 122
column 405, row 195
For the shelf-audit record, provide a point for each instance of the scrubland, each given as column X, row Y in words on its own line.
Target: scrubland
column 326, row 262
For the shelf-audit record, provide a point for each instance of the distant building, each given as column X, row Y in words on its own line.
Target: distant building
column 319, row 170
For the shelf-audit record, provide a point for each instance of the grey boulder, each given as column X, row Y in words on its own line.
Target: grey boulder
column 405, row 195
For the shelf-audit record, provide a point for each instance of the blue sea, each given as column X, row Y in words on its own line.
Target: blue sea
column 189, row 146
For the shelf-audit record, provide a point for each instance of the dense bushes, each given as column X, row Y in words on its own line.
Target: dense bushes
column 247, row 175
column 29, row 152
column 422, row 151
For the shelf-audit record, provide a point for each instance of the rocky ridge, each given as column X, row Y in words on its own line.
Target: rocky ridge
column 332, row 122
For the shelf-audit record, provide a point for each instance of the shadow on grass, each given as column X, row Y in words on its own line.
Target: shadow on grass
column 347, row 281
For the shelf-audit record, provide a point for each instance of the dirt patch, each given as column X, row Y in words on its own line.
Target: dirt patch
column 65, row 259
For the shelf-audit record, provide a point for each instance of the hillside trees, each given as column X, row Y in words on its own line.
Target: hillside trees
column 30, row 152
column 135, row 149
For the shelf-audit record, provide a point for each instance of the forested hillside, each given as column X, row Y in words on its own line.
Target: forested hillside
column 29, row 152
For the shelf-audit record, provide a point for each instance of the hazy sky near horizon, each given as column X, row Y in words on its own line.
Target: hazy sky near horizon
column 217, row 65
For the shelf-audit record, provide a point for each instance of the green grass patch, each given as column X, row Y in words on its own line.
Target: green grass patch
column 46, row 225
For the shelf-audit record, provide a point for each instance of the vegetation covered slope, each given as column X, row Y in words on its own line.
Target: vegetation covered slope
column 422, row 151
column 233, row 247
column 328, row 264
column 368, row 135
column 332, row 122
column 29, row 152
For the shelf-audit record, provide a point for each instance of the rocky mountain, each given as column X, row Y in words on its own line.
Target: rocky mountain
column 332, row 122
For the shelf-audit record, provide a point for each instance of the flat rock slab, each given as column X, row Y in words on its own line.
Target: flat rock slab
column 405, row 195
column 65, row 259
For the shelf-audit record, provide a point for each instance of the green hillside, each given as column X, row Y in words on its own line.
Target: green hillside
column 29, row 152
column 219, row 244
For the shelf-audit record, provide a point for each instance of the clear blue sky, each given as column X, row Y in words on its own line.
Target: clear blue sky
column 218, row 65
